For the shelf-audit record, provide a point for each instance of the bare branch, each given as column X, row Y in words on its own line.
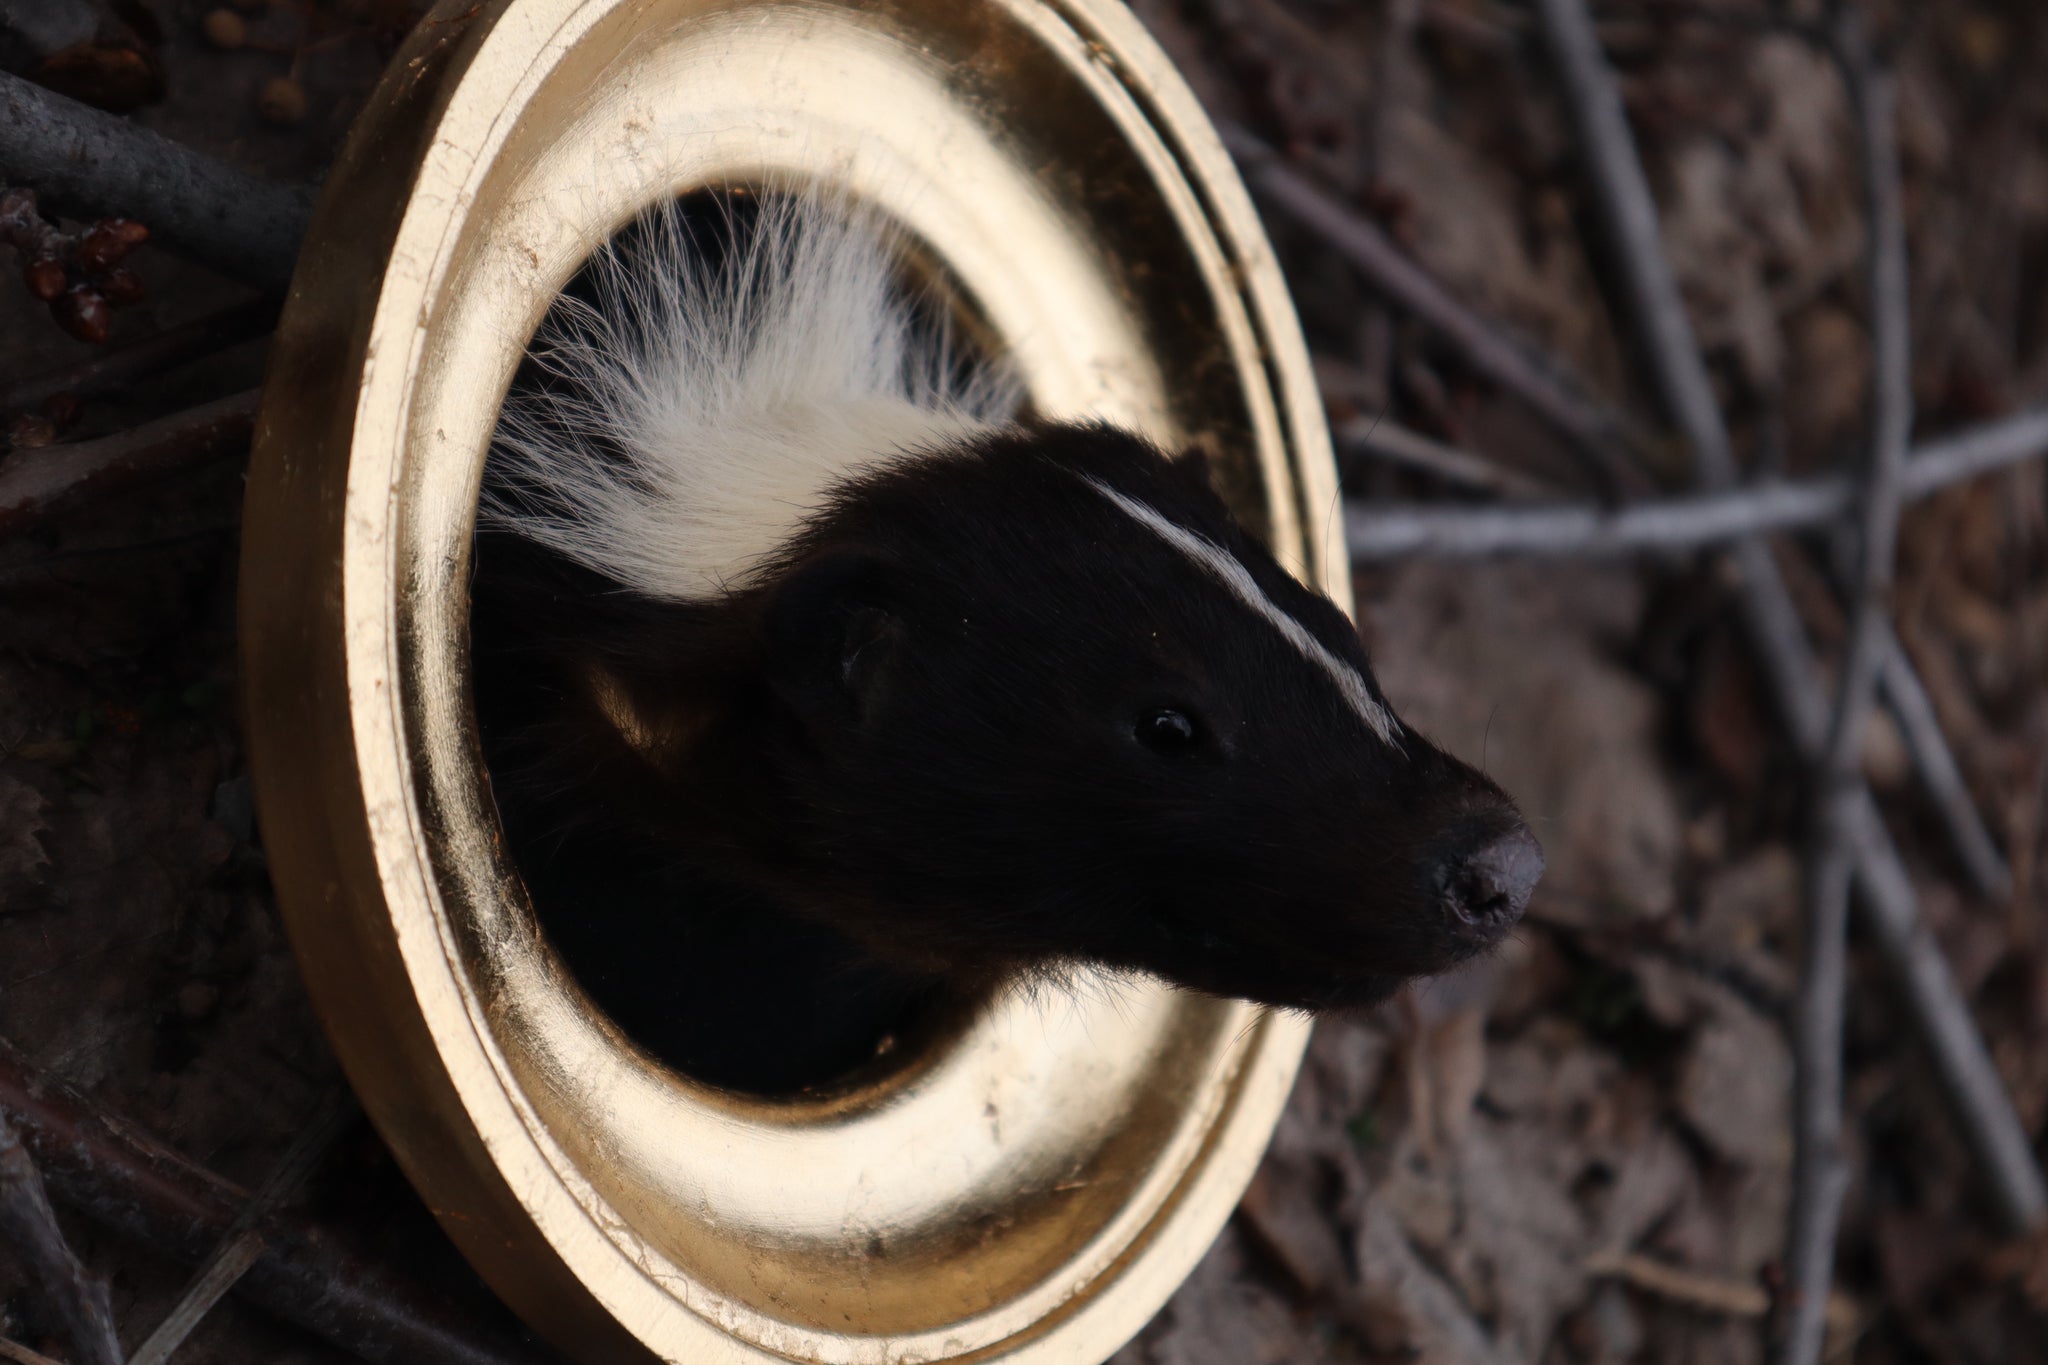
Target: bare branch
column 244, row 1245
column 1983, row 1111
column 1707, row 1293
column 1979, row 450
column 36, row 485
column 109, row 1171
column 1622, row 195
column 1935, row 763
column 1592, row 431
column 1820, row 1176
column 2004, row 1151
column 1396, row 444
column 1873, row 95
column 95, row 165
column 1379, row 530
column 22, row 1355
column 77, row 1301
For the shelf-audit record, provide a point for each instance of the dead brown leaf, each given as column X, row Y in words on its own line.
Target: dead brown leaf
column 1224, row 1316
column 1285, row 1213
column 1733, row 1085
column 1749, row 914
column 1441, row 1329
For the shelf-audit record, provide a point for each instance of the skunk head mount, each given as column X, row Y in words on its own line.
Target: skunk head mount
column 812, row 607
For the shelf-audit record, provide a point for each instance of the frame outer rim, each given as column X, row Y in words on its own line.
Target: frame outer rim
column 299, row 713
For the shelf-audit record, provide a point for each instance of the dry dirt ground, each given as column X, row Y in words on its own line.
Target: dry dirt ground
column 1576, row 1151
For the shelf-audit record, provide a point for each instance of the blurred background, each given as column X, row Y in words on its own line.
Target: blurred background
column 1579, row 1150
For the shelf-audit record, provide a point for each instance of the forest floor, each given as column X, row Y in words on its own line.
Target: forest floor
column 1577, row 1150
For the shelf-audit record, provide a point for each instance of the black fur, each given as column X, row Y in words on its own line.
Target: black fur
column 908, row 763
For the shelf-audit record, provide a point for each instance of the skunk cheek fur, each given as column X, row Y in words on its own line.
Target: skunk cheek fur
column 794, row 644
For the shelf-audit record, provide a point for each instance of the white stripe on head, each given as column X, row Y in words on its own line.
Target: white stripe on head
column 1221, row 565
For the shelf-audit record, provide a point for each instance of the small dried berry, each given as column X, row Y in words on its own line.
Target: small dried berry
column 282, row 102
column 45, row 277
column 107, row 241
column 84, row 313
column 225, row 29
column 107, row 75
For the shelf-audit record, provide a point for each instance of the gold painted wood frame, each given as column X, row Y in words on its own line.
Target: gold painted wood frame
column 1036, row 1184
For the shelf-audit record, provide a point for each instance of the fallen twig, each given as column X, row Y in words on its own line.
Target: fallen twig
column 1942, row 778
column 1982, row 1109
column 307, row 1275
column 1708, row 1293
column 1396, row 444
column 1592, row 431
column 150, row 355
column 1384, row 531
column 1820, row 1176
column 22, row 1355
column 1378, row 530
column 244, row 1244
column 36, row 485
column 94, row 165
column 76, row 1300
column 1976, row 450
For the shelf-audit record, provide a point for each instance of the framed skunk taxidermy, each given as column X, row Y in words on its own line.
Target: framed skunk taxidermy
column 796, row 698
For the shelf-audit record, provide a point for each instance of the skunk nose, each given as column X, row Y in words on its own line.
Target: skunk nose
column 1489, row 889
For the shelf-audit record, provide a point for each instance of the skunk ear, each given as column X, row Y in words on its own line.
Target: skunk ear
column 833, row 631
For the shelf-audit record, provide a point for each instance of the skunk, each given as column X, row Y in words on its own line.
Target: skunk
column 824, row 687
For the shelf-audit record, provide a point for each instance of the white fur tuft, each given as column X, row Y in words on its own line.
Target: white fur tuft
column 709, row 405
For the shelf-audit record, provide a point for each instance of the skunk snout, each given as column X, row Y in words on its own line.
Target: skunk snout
column 1487, row 888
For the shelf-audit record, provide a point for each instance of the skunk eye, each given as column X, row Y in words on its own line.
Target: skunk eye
column 1166, row 731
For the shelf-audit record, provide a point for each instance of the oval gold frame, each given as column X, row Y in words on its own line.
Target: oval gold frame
column 1036, row 1186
